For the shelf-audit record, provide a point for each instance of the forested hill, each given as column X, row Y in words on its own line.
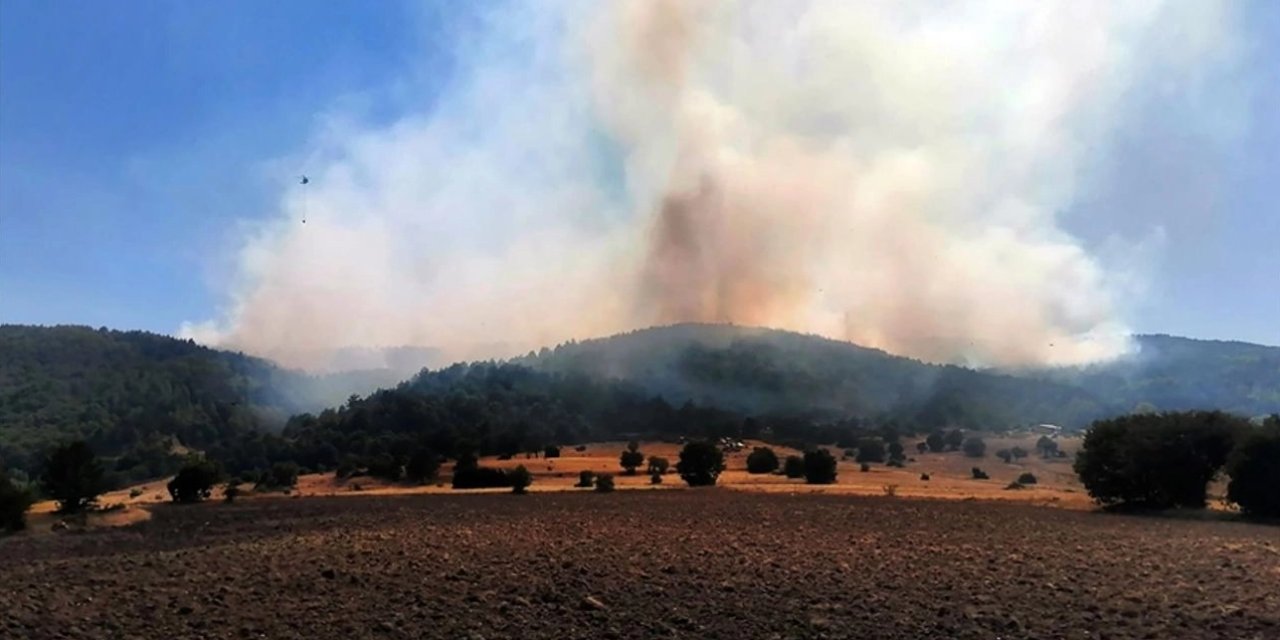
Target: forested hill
column 143, row 394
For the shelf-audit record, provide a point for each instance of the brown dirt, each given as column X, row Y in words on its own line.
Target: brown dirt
column 682, row 564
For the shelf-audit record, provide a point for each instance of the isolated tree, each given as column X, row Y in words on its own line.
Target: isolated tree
column 793, row 467
column 73, row 477
column 194, row 482
column 423, row 466
column 1254, row 467
column 632, row 458
column 551, row 451
column 819, row 467
column 1048, row 447
column 974, row 447
column 954, row 439
column 520, row 479
column 1027, row 478
column 1006, row 455
column 14, row 503
column 870, row 450
column 896, row 452
column 700, row 463
column 979, row 474
column 1018, row 453
column 586, row 478
column 604, row 483
column 937, row 442
column 762, row 460
column 658, row 465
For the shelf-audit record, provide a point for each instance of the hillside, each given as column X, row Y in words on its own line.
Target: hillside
column 142, row 396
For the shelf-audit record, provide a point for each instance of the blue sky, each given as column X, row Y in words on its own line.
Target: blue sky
column 136, row 137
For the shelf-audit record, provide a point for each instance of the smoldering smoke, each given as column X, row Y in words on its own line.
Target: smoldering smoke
column 886, row 173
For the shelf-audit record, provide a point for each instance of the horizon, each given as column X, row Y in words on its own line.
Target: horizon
column 149, row 179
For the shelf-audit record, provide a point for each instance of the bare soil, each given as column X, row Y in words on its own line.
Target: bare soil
column 707, row 563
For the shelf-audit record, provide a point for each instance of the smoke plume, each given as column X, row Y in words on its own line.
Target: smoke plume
column 883, row 172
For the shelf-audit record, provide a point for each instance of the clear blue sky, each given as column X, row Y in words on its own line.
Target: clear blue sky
column 132, row 137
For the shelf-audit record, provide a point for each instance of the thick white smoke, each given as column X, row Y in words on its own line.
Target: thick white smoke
column 884, row 172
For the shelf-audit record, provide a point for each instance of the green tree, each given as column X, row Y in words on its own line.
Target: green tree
column 520, row 479
column 975, row 447
column 870, row 450
column 954, row 439
column 1048, row 447
column 793, row 467
column 762, row 460
column 819, row 467
column 700, row 463
column 194, row 482
column 632, row 458
column 937, row 442
column 1006, row 455
column 1254, row 467
column 73, row 477
column 658, row 465
column 896, row 452
column 604, row 483
column 423, row 466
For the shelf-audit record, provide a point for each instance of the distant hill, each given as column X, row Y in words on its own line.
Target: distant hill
column 145, row 394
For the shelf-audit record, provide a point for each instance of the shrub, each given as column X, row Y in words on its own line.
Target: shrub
column 658, row 465
column 924, row 476
column 385, row 466
column 793, row 467
column 1006, row 455
column 922, row 447
column 194, row 482
column 520, row 479
column 762, row 460
column 479, row 478
column 1014, row 485
column 819, row 467
column 632, row 458
column 586, row 478
column 974, row 447
column 979, row 474
column 232, row 490
column 135, row 492
column 1156, row 460
column 14, row 503
column 1027, row 478
column 1018, row 453
column 655, row 478
column 422, row 467
column 1254, row 467
column 552, row 451
column 283, row 475
column 937, row 442
column 896, row 463
column 896, row 452
column 864, row 467
column 700, row 463
column 870, row 450
column 73, row 477
column 580, row 448
column 604, row 483
column 890, row 490
column 954, row 439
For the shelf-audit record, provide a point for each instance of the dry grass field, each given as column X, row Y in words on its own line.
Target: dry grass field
column 705, row 563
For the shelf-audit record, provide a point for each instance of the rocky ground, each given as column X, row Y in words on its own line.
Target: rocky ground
column 680, row 564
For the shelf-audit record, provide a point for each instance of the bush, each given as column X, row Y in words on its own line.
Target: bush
column 604, row 483
column 520, row 479
column 1254, row 467
column 864, row 467
column 700, row 463
column 1027, row 478
column 762, row 460
column 283, row 475
column 1006, row 455
column 232, row 490
column 896, row 452
column 632, row 458
column 73, row 477
column 924, row 476
column 1047, row 447
column 585, row 479
column 580, row 448
column 979, row 474
column 1018, row 453
column 658, row 465
column 552, row 451
column 896, row 463
column 194, row 482
column 922, row 447
column 135, row 492
column 819, row 467
column 1014, row 485
column 793, row 467
column 974, row 447
column 479, row 478
column 954, row 439
column 655, row 478
column 423, row 466
column 890, row 490
column 870, row 450
column 937, row 442
column 1156, row 461
column 385, row 466
column 14, row 503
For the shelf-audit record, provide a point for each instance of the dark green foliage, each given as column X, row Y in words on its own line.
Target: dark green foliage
column 870, row 450
column 551, row 451
column 580, row 448
column 896, row 452
column 422, row 467
column 937, row 442
column 819, row 467
column 1048, row 447
column 1027, row 478
column 469, row 477
column 954, row 439
column 282, row 475
column 586, row 478
column 896, row 463
column 194, row 482
column 632, row 458
column 1006, row 455
column 73, row 477
column 924, row 477
column 14, row 503
column 655, row 478
column 762, row 460
column 1254, row 467
column 864, row 467
column 979, row 474
column 974, row 447
column 793, row 467
column 1018, row 453
column 700, row 463
column 385, row 466
column 658, row 465
column 520, row 479
column 1156, row 461
column 604, row 483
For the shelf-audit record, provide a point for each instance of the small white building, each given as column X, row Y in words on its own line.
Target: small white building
column 1051, row 430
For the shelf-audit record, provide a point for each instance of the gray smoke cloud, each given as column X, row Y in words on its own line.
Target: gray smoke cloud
column 883, row 172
